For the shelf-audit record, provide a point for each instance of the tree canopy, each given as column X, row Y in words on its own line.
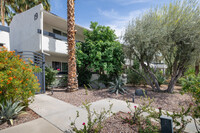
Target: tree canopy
column 172, row 31
column 100, row 52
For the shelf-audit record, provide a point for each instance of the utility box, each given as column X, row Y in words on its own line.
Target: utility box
column 166, row 124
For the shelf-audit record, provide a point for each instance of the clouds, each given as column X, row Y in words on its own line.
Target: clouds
column 119, row 22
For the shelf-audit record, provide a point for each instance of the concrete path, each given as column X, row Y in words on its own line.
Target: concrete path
column 36, row 126
column 61, row 114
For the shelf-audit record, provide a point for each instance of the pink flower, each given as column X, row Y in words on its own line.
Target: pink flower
column 58, row 69
column 135, row 107
column 159, row 108
column 191, row 104
column 83, row 124
column 129, row 112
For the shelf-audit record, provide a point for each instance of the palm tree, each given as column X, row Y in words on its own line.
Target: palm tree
column 72, row 76
column 18, row 6
column 22, row 5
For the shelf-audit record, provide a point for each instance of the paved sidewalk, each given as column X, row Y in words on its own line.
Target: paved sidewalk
column 61, row 114
column 36, row 126
column 58, row 115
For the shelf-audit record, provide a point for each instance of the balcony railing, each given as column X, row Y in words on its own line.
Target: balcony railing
column 53, row 35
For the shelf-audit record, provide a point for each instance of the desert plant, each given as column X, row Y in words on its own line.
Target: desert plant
column 50, row 76
column 10, row 111
column 95, row 120
column 17, row 78
column 117, row 86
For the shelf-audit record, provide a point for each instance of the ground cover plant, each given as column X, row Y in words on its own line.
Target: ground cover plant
column 18, row 82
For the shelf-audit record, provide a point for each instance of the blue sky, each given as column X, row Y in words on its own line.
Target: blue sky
column 113, row 13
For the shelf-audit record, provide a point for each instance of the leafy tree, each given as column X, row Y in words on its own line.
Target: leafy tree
column 172, row 31
column 100, row 52
column 142, row 37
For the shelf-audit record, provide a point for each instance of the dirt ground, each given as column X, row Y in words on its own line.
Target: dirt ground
column 29, row 115
column 166, row 101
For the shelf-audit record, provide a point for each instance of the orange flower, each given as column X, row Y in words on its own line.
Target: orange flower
column 23, row 68
column 10, row 78
column 8, row 83
column 27, row 79
column 16, row 89
column 15, row 77
column 2, row 80
column 21, row 81
column 6, row 58
column 30, row 92
column 0, row 92
column 26, row 84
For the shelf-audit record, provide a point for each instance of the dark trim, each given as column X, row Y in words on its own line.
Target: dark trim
column 4, row 28
column 53, row 35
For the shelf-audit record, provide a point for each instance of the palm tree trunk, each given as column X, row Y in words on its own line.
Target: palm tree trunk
column 72, row 75
column 2, row 12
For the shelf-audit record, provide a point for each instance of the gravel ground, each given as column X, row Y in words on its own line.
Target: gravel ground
column 114, row 124
column 29, row 115
column 166, row 101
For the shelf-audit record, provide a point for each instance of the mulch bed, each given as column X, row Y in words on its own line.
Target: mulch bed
column 166, row 101
column 29, row 115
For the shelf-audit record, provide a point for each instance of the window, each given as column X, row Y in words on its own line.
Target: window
column 56, row 65
column 64, row 67
column 1, row 44
column 56, row 31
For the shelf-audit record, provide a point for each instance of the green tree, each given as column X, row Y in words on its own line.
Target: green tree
column 172, row 31
column 142, row 37
column 100, row 52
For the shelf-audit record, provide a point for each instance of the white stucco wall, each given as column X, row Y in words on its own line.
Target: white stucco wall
column 54, row 45
column 23, row 30
column 4, row 38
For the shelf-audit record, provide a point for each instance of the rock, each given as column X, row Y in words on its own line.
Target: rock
column 97, row 85
column 140, row 92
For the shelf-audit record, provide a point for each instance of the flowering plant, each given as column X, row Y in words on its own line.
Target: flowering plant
column 17, row 79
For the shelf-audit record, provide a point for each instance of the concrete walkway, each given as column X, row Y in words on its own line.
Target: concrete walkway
column 60, row 114
column 36, row 126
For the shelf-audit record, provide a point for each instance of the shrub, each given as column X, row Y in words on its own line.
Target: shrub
column 134, row 78
column 50, row 76
column 18, row 81
column 191, row 84
column 10, row 111
column 95, row 120
column 84, row 76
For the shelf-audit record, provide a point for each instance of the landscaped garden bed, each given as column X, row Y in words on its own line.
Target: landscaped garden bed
column 27, row 116
column 166, row 101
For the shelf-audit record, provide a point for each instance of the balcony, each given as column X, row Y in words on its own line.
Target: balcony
column 54, row 43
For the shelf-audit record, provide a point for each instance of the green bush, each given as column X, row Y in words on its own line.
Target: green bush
column 17, row 78
column 50, row 76
column 134, row 78
column 84, row 76
column 191, row 84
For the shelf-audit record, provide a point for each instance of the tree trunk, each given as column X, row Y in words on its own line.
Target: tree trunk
column 173, row 80
column 152, row 77
column 3, row 12
column 197, row 68
column 72, row 75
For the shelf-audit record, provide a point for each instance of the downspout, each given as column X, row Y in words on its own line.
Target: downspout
column 41, row 27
